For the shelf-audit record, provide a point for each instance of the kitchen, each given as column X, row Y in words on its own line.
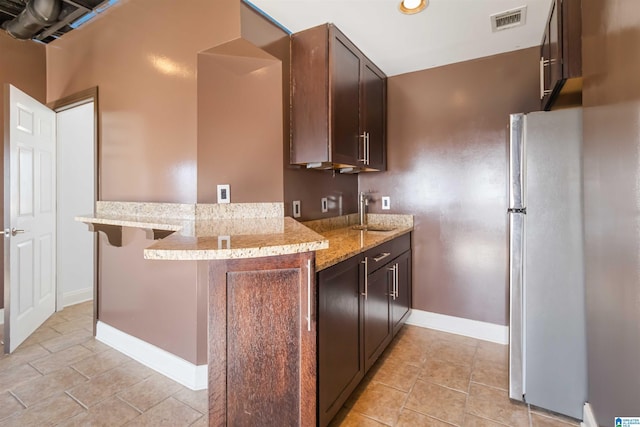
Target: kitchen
column 439, row 144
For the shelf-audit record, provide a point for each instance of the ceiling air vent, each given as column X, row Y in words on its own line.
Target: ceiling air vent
column 509, row 19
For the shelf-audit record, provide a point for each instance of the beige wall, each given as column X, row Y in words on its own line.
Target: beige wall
column 22, row 64
column 447, row 165
column 611, row 121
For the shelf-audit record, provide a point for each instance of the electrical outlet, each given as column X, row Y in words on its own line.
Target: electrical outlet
column 386, row 203
column 325, row 205
column 296, row 209
column 224, row 193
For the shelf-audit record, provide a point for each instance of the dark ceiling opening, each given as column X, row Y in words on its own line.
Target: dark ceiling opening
column 72, row 14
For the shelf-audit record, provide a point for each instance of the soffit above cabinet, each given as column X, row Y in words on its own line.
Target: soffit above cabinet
column 447, row 31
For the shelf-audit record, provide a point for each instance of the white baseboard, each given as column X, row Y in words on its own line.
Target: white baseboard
column 458, row 325
column 76, row 297
column 589, row 419
column 170, row 365
column 1, row 316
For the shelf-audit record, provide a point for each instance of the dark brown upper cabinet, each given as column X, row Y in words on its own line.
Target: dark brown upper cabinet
column 338, row 103
column 561, row 56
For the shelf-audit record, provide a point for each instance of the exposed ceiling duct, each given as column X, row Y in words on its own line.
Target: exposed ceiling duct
column 46, row 20
column 37, row 15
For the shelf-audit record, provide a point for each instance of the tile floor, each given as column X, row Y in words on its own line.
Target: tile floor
column 62, row 376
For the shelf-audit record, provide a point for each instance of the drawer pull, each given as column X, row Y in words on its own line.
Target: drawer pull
column 381, row 256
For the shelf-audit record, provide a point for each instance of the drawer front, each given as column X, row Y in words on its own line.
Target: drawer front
column 380, row 255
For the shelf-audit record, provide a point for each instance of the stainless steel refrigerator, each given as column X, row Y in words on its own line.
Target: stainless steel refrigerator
column 547, row 348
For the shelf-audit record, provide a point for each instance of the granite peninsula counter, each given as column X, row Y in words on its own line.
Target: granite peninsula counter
column 207, row 232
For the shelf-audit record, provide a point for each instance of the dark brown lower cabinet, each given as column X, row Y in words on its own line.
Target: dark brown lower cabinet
column 377, row 329
column 400, row 304
column 340, row 364
column 262, row 341
column 354, row 329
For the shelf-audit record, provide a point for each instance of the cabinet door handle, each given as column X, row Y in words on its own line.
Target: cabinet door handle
column 396, row 280
column 309, row 295
column 543, row 63
column 366, row 277
column 366, row 151
column 364, row 148
column 392, row 269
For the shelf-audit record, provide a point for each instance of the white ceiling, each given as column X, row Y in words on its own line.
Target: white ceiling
column 447, row 31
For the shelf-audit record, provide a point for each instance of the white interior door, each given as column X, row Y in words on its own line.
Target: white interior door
column 30, row 217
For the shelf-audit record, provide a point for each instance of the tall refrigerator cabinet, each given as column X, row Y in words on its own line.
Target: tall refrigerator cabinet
column 547, row 348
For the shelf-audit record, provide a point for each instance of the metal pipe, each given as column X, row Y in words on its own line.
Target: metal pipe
column 37, row 15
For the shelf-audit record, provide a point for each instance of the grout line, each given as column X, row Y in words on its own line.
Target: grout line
column 86, row 376
column 18, row 399
column 77, row 400
column 130, row 404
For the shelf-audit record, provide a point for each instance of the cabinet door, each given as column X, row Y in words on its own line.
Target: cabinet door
column 262, row 341
column 340, row 364
column 345, row 87
column 377, row 330
column 401, row 301
column 374, row 119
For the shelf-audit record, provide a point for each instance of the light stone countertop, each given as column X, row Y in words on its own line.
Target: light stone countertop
column 345, row 242
column 207, row 232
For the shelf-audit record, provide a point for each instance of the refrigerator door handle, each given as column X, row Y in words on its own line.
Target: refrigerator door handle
column 517, row 330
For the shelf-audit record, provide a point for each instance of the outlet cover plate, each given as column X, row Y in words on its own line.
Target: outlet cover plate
column 325, row 205
column 386, row 203
column 224, row 193
column 296, row 209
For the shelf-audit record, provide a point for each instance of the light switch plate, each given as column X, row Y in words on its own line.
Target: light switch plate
column 224, row 193
column 386, row 203
column 296, row 209
column 325, row 205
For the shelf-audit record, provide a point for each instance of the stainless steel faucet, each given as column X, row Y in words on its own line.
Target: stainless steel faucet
column 363, row 200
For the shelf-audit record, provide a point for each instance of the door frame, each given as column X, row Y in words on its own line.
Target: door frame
column 75, row 100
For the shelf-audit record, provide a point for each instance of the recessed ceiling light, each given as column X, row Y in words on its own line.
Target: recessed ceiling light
column 410, row 7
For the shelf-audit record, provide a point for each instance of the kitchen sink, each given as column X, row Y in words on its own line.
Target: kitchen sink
column 373, row 228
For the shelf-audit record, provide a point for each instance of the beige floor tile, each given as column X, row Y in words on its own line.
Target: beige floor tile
column 68, row 340
column 381, row 403
column 457, row 339
column 346, row 418
column 22, row 356
column 95, row 346
column 96, row 364
column 61, row 359
column 494, row 404
column 46, row 413
column 170, row 412
column 197, row 399
column 492, row 373
column 415, row 419
column 493, row 352
column 73, row 325
column 203, row 421
column 396, row 374
column 34, row 391
column 437, row 401
column 8, row 405
column 16, row 376
column 108, row 384
column 41, row 335
column 540, row 418
column 351, row 400
column 406, row 351
column 473, row 421
column 149, row 392
column 112, row 412
column 451, row 351
column 446, row 373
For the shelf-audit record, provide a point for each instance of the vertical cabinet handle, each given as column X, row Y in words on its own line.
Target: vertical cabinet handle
column 543, row 63
column 309, row 295
column 364, row 148
column 397, row 281
column 366, row 151
column 394, row 280
column 366, row 277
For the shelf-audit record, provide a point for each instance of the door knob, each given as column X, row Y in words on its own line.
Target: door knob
column 15, row 231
